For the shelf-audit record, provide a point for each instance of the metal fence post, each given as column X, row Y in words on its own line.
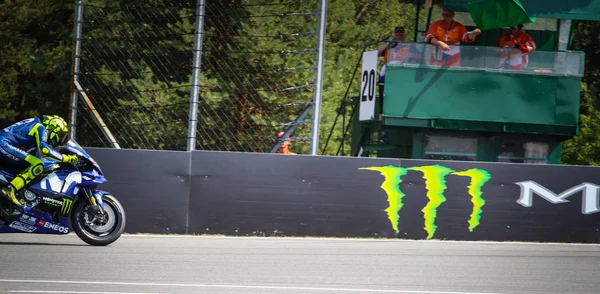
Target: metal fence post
column 75, row 68
column 314, row 146
column 194, row 95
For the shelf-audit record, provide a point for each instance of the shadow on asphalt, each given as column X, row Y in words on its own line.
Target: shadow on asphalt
column 38, row 244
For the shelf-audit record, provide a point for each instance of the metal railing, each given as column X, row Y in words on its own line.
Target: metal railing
column 486, row 58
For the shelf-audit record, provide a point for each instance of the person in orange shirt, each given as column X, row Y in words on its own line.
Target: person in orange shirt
column 445, row 32
column 284, row 148
column 393, row 49
column 517, row 58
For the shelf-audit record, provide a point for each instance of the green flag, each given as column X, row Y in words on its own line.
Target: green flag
column 491, row 14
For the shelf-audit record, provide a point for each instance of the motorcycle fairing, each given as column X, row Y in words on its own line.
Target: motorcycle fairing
column 55, row 194
column 37, row 222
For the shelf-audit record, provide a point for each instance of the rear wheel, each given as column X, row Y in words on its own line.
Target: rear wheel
column 98, row 229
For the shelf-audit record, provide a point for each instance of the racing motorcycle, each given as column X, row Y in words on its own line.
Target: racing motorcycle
column 64, row 198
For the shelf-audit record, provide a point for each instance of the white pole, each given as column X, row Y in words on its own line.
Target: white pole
column 314, row 147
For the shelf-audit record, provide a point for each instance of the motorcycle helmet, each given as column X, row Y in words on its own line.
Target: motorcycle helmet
column 57, row 129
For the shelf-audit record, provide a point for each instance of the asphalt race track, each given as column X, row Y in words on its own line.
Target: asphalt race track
column 187, row 264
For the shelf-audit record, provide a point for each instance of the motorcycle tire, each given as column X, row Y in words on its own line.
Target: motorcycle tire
column 102, row 230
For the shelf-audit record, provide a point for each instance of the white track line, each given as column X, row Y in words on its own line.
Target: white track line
column 361, row 239
column 77, row 292
column 232, row 286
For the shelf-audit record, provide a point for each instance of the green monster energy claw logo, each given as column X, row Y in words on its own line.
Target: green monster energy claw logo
column 435, row 183
column 67, row 204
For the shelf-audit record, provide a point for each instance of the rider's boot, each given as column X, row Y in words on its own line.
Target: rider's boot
column 8, row 211
column 8, row 193
column 20, row 181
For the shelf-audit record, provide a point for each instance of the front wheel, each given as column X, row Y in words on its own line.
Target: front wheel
column 98, row 229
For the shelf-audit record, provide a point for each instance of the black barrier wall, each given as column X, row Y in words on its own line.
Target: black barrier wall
column 153, row 187
column 205, row 192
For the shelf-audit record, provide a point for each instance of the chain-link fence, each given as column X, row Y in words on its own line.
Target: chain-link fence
column 133, row 74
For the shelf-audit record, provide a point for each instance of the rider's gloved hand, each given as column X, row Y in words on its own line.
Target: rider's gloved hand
column 72, row 159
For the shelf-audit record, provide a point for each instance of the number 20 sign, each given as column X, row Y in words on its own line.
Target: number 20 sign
column 367, row 85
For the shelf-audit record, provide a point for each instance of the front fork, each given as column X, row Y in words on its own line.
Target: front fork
column 95, row 198
column 95, row 213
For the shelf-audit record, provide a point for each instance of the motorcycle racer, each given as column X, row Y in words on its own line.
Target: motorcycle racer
column 20, row 141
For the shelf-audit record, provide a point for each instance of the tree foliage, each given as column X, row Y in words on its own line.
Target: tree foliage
column 584, row 149
column 35, row 47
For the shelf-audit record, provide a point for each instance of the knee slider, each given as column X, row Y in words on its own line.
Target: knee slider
column 37, row 169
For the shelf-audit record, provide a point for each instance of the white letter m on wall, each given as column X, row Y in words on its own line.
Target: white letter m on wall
column 591, row 195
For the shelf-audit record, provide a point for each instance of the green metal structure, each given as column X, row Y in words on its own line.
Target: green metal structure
column 551, row 9
column 480, row 109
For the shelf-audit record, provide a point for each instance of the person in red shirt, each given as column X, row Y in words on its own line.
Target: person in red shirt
column 522, row 43
column 445, row 32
